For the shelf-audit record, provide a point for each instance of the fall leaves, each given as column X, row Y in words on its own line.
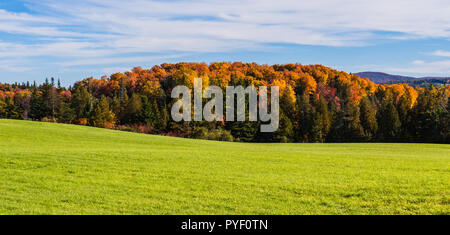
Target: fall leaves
column 317, row 103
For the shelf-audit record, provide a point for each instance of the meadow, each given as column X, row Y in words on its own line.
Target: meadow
column 48, row 168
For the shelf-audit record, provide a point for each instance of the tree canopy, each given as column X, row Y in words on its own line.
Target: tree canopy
column 317, row 104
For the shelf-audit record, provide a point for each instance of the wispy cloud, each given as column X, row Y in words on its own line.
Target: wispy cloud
column 116, row 60
column 110, row 32
column 441, row 53
column 225, row 25
column 14, row 66
column 425, row 68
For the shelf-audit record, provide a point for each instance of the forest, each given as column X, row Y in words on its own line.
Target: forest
column 317, row 104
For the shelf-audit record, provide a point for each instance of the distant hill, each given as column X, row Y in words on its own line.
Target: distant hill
column 384, row 78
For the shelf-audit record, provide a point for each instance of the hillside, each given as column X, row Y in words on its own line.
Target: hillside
column 48, row 168
column 316, row 104
column 383, row 78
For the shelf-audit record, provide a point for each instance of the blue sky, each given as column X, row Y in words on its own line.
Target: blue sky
column 72, row 40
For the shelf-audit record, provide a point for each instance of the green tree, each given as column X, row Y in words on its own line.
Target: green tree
column 50, row 99
column 2, row 109
column 37, row 106
column 133, row 109
column 66, row 113
column 102, row 115
column 320, row 120
column 81, row 102
column 347, row 126
column 285, row 132
column 303, row 118
column 368, row 118
column 389, row 121
column 316, row 131
column 430, row 115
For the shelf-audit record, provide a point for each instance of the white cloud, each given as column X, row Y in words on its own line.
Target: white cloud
column 116, row 60
column 13, row 66
column 89, row 32
column 24, row 17
column 441, row 53
column 322, row 22
column 244, row 18
column 426, row 68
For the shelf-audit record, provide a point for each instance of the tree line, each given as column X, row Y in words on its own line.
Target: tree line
column 317, row 104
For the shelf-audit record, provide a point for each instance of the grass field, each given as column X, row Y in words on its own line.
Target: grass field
column 48, row 168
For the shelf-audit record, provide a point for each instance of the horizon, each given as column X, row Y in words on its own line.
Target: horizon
column 71, row 41
column 66, row 85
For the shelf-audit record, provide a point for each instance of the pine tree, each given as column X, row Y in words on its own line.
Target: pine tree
column 146, row 114
column 316, row 131
column 66, row 113
column 389, row 122
column 3, row 113
column 102, row 116
column 303, row 118
column 285, row 132
column 81, row 102
column 13, row 110
column 115, row 107
column 321, row 119
column 37, row 106
column 445, row 119
column 124, row 99
column 430, row 114
column 133, row 109
column 403, row 109
column 368, row 119
column 347, row 125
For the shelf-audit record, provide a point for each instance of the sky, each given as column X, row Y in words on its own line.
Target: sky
column 72, row 40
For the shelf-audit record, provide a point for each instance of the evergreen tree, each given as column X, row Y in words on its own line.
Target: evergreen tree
column 285, row 132
column 389, row 122
column 37, row 106
column 102, row 116
column 116, row 108
column 133, row 109
column 303, row 117
column 368, row 118
column 403, row 109
column 245, row 131
column 13, row 111
column 81, row 102
column 161, row 118
column 347, row 126
column 316, row 131
column 3, row 113
column 445, row 119
column 147, row 112
column 123, row 108
column 430, row 114
column 66, row 113
column 320, row 120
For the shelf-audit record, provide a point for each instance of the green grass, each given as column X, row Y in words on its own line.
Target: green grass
column 48, row 168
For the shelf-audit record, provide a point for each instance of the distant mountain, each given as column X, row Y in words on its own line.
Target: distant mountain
column 378, row 77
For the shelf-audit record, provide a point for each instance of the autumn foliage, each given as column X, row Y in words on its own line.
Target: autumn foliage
column 318, row 104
